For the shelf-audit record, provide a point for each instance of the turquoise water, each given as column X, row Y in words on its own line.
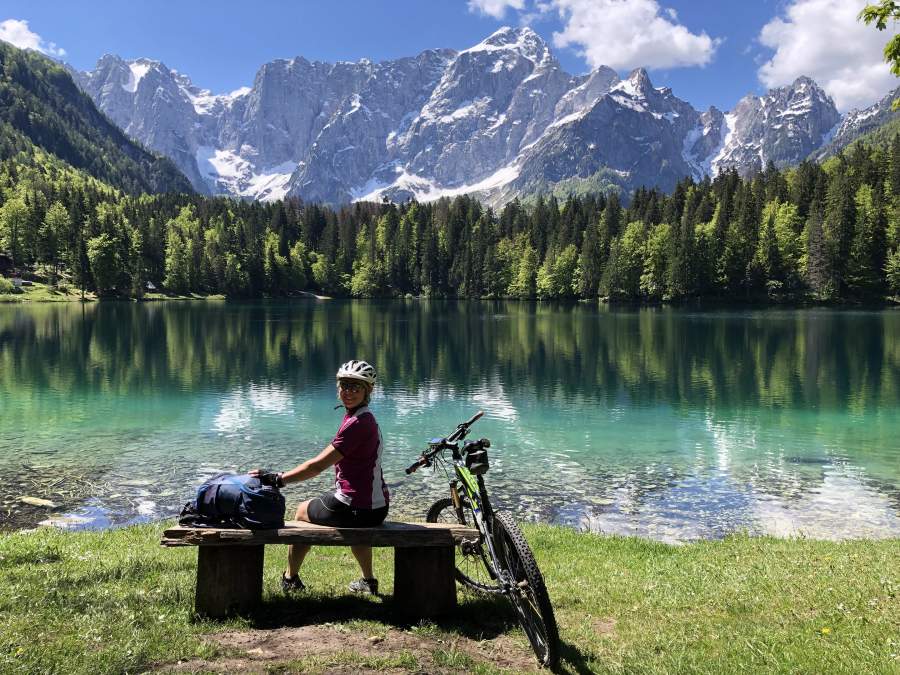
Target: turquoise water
column 664, row 423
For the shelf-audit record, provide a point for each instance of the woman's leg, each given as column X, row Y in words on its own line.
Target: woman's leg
column 297, row 552
column 363, row 555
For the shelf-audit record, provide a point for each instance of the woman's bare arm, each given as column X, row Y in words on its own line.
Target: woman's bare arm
column 313, row 467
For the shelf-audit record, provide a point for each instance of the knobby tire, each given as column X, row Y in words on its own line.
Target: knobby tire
column 529, row 593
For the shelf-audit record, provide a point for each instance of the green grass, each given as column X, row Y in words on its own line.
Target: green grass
column 40, row 292
column 115, row 601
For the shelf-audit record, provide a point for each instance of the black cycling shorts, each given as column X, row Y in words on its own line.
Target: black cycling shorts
column 329, row 510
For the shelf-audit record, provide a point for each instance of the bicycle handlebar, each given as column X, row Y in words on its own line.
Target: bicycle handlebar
column 461, row 430
column 415, row 465
column 477, row 416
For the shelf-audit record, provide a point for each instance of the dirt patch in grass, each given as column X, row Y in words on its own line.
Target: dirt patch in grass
column 604, row 627
column 334, row 648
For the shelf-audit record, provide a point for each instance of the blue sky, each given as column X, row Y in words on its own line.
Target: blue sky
column 710, row 53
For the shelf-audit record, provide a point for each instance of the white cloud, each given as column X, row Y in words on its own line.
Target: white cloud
column 17, row 33
column 626, row 34
column 824, row 40
column 495, row 8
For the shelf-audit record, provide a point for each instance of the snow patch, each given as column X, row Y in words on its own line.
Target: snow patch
column 271, row 184
column 828, row 136
column 499, row 122
column 220, row 164
column 719, row 156
column 626, row 102
column 460, row 113
column 355, row 104
column 226, row 171
column 425, row 190
column 797, row 109
column 204, row 101
column 137, row 71
column 628, row 87
column 573, row 117
column 528, row 44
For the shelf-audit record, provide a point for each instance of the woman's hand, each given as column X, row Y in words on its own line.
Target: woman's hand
column 268, row 477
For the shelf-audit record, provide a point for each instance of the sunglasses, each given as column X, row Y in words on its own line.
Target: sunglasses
column 352, row 387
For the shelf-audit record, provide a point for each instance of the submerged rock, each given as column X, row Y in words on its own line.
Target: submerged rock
column 37, row 501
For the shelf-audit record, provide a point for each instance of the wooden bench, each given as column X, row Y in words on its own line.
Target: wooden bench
column 230, row 562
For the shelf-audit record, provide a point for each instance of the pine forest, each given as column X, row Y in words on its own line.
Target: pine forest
column 825, row 232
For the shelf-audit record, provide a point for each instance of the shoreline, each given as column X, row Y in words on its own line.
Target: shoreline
column 43, row 294
column 30, row 517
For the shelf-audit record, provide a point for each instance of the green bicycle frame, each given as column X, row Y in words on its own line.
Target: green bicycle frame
column 476, row 493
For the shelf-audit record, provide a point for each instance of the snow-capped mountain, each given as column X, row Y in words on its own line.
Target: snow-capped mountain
column 858, row 122
column 782, row 127
column 498, row 119
column 162, row 109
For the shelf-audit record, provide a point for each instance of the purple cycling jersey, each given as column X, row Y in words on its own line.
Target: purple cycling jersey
column 359, row 481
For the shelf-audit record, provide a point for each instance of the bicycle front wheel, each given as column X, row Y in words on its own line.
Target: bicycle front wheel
column 528, row 592
column 473, row 566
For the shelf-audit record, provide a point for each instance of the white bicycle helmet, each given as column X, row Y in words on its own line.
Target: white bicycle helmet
column 357, row 370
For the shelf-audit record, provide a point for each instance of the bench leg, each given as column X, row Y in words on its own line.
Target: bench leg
column 229, row 579
column 424, row 582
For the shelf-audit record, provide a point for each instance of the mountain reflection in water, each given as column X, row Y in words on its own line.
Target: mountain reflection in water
column 664, row 423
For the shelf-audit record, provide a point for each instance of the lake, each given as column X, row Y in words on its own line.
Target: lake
column 665, row 423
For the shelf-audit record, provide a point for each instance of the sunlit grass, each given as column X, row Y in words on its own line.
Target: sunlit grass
column 41, row 292
column 115, row 601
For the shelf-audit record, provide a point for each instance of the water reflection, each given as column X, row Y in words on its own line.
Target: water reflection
column 663, row 423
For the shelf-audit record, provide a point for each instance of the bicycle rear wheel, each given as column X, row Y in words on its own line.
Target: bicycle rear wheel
column 528, row 592
column 473, row 566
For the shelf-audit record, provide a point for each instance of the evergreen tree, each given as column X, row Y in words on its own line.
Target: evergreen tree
column 838, row 226
column 894, row 168
column 622, row 277
column 892, row 272
column 865, row 269
column 654, row 276
column 681, row 276
column 555, row 277
column 817, row 269
column 13, row 216
column 590, row 263
column 610, row 223
column 524, row 282
column 54, row 231
column 136, row 265
column 766, row 270
column 275, row 265
column 103, row 255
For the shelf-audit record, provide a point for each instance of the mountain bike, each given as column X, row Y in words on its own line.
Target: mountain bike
column 499, row 561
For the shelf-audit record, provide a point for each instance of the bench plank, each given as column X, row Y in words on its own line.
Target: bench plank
column 389, row 533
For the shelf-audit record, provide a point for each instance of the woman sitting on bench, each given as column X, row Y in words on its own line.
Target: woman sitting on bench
column 360, row 498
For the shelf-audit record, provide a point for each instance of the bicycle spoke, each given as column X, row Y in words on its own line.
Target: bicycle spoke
column 473, row 568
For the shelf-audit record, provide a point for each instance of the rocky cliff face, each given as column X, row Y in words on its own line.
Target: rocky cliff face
column 499, row 119
column 858, row 122
column 782, row 127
